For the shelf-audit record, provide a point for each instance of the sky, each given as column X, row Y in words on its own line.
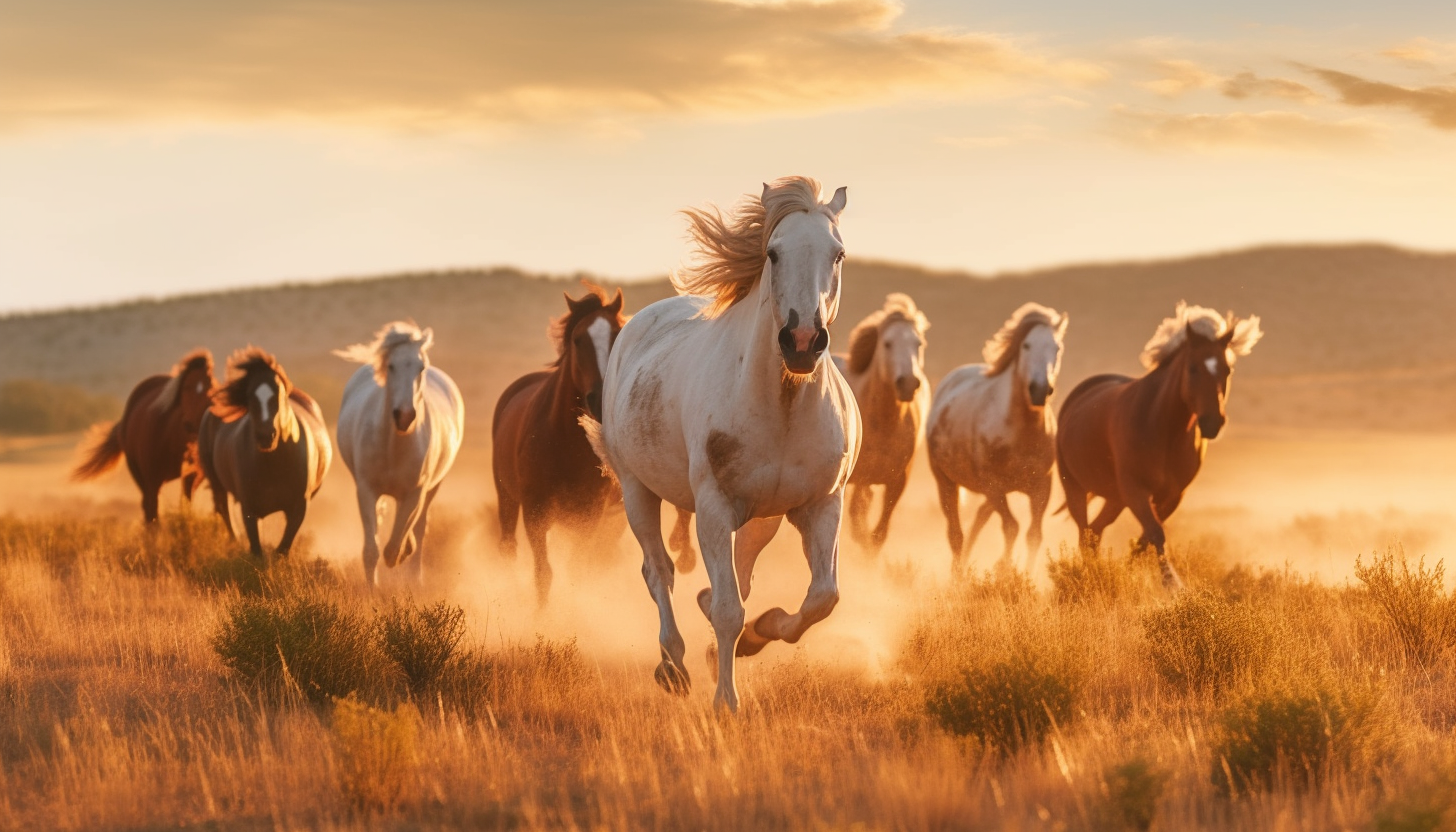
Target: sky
column 158, row 147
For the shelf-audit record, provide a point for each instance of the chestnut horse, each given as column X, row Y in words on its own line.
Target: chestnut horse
column 1138, row 443
column 157, row 432
column 544, row 467
column 264, row 442
column 885, row 369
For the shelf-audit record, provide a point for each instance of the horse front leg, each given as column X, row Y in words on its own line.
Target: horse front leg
column 538, row 521
column 1040, row 496
column 950, row 506
column 416, row 565
column 1140, row 503
column 893, row 489
column 644, row 516
column 369, row 517
column 401, row 542
column 716, row 530
column 294, row 518
column 860, row 498
column 818, row 525
column 748, row 543
column 250, row 526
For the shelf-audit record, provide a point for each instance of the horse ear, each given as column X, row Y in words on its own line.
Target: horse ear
column 615, row 307
column 571, row 303
column 1228, row 337
column 841, row 198
column 764, row 196
column 1062, row 327
column 427, row 338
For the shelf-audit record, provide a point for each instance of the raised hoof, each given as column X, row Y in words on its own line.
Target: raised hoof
column 672, row 678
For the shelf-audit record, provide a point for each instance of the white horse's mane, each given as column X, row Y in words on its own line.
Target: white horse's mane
column 1206, row 323
column 1000, row 351
column 864, row 339
column 390, row 337
column 732, row 250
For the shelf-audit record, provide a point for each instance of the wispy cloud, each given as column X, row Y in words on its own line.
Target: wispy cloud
column 1248, row 85
column 1271, row 129
column 429, row 62
column 1179, row 77
column 1437, row 105
column 1422, row 52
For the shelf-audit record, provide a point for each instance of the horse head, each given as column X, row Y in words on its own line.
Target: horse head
column 1204, row 382
column 193, row 389
column 891, row 341
column 258, row 388
column 803, row 255
column 588, row 332
column 403, row 368
column 1040, row 360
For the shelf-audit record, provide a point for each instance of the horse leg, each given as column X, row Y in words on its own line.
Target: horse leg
column 1009, row 527
column 748, row 543
column 1110, row 509
column 220, row 507
column 508, row 508
column 401, row 542
column 983, row 514
column 860, row 498
column 818, row 525
column 1076, row 497
column 1041, row 496
column 250, row 525
column 716, row 532
column 644, row 516
column 1153, row 535
column 416, row 565
column 537, row 522
column 369, row 516
column 294, row 518
column 950, row 506
column 150, row 497
column 893, row 489
column 681, row 541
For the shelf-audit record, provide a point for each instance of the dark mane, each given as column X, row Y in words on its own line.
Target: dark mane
column 171, row 394
column 1000, row 352
column 865, row 337
column 594, row 301
column 230, row 401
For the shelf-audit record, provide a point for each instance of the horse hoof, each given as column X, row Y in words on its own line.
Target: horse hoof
column 672, row 678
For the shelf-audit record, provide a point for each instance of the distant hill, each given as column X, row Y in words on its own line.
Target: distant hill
column 1358, row 337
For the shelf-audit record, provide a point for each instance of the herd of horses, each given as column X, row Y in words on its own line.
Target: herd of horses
column 722, row 401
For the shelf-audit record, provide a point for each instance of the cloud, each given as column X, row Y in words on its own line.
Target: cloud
column 453, row 63
column 1179, row 78
column 1437, row 105
column 1422, row 52
column 1272, row 129
column 1248, row 85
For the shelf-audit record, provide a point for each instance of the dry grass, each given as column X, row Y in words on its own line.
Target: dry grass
column 123, row 706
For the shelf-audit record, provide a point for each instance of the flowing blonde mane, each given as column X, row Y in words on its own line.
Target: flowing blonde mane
column 1000, row 351
column 864, row 339
column 1206, row 323
column 171, row 394
column 390, row 337
column 230, row 401
column 731, row 251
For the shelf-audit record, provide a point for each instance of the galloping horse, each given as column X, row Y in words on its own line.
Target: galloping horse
column 544, row 467
column 400, row 428
column 723, row 405
column 992, row 432
column 157, row 432
column 1138, row 443
column 885, row 370
column 264, row 442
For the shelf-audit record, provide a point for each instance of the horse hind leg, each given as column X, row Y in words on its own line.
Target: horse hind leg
column 681, row 541
column 950, row 506
column 860, row 497
column 151, row 494
column 294, row 521
column 644, row 517
column 508, row 508
column 893, row 489
column 1154, row 536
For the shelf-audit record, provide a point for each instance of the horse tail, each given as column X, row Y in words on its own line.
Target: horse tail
column 101, row 450
column 593, row 430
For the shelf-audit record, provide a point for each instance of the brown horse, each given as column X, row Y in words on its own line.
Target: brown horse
column 264, row 442
column 544, row 467
column 1138, row 443
column 157, row 432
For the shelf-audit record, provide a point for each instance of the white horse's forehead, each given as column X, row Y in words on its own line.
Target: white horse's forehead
column 806, row 229
column 600, row 331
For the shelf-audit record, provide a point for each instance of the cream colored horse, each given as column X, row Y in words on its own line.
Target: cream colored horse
column 885, row 368
column 992, row 431
column 400, row 428
column 726, row 405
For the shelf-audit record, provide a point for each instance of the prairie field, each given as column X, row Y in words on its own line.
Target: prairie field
column 1305, row 680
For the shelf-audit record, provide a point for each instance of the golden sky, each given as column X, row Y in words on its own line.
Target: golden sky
column 153, row 147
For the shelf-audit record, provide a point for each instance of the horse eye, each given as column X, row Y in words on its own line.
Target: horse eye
column 1026, row 346
column 773, row 256
column 839, row 258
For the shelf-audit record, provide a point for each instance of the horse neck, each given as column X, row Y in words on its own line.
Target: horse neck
column 749, row 326
column 566, row 403
column 1169, row 416
column 879, row 400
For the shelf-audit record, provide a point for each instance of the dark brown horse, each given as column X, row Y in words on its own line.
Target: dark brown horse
column 544, row 467
column 1138, row 443
column 157, row 432
column 264, row 442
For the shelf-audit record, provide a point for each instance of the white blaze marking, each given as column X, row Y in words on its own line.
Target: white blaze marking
column 265, row 395
column 200, row 385
column 1212, row 365
column 601, row 333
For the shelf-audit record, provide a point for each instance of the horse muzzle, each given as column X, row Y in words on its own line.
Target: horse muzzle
column 1210, row 426
column 802, row 347
column 267, row 440
column 906, row 387
column 404, row 419
column 1039, row 393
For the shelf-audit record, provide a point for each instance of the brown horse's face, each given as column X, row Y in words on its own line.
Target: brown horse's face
column 267, row 409
column 590, row 342
column 1205, row 382
column 404, row 385
column 195, row 398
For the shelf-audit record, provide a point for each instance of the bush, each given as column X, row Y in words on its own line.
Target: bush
column 304, row 643
column 1414, row 603
column 1133, row 790
column 1083, row 575
column 30, row 407
column 1299, row 735
column 377, row 758
column 1201, row 642
column 1011, row 704
column 422, row 641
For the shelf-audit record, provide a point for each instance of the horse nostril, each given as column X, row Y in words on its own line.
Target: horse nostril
column 821, row 341
column 786, row 340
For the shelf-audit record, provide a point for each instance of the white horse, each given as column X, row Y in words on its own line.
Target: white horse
column 400, row 428
column 885, row 368
column 992, row 431
column 727, row 406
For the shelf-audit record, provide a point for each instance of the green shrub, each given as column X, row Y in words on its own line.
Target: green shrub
column 306, row 643
column 1008, row 705
column 1414, row 603
column 1201, row 642
column 1300, row 734
column 422, row 641
column 30, row 407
